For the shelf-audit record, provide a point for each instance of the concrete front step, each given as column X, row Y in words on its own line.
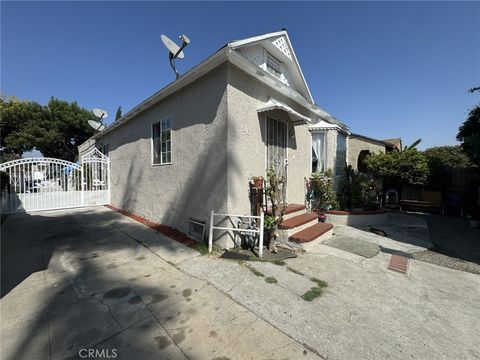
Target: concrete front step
column 292, row 210
column 297, row 221
column 288, row 227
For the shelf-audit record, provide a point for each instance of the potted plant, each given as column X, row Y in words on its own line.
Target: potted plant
column 324, row 194
column 257, row 181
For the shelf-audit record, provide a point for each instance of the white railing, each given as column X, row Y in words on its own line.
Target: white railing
column 259, row 231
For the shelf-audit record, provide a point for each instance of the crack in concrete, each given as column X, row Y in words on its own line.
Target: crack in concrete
column 237, row 335
column 227, row 295
column 83, row 295
column 170, row 336
column 274, row 349
column 237, row 284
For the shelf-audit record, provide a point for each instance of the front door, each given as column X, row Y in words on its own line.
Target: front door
column 277, row 146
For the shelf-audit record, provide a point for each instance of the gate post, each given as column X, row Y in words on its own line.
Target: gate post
column 82, row 194
column 109, row 183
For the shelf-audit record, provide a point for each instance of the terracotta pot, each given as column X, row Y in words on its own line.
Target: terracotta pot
column 258, row 183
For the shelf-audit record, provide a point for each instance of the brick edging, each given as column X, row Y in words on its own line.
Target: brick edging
column 342, row 212
column 169, row 231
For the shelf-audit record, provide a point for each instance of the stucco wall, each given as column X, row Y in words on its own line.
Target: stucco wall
column 355, row 146
column 196, row 181
column 218, row 142
column 246, row 134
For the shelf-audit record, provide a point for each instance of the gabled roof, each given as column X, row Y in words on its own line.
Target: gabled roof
column 372, row 140
column 323, row 125
column 228, row 53
column 282, row 42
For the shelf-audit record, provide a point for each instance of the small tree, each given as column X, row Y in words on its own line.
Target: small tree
column 275, row 194
column 407, row 167
column 118, row 114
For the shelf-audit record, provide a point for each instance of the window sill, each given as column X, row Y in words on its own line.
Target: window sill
column 155, row 165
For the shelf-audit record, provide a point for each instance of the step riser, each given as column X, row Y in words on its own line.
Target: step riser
column 286, row 233
column 293, row 214
column 308, row 245
column 302, row 247
column 296, row 213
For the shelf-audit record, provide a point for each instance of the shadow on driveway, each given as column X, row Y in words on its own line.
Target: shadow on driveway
column 73, row 280
column 454, row 237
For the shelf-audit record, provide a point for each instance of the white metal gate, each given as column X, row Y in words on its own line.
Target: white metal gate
column 36, row 184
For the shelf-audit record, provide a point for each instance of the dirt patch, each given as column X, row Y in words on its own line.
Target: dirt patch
column 439, row 259
column 166, row 230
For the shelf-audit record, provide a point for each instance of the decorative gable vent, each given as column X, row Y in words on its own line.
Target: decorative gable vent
column 282, row 45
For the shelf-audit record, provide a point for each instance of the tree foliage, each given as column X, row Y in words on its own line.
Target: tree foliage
column 15, row 115
column 440, row 160
column 469, row 135
column 56, row 129
column 407, row 167
column 445, row 157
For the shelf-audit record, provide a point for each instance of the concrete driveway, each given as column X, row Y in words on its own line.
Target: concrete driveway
column 91, row 283
column 366, row 311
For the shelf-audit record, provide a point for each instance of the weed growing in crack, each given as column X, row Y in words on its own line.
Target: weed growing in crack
column 201, row 247
column 294, row 271
column 271, row 280
column 255, row 271
column 315, row 291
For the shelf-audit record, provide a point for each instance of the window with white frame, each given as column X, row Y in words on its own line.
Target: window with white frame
column 341, row 160
column 273, row 65
column 162, row 142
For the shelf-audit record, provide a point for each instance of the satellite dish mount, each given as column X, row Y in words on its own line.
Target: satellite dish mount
column 175, row 51
column 98, row 124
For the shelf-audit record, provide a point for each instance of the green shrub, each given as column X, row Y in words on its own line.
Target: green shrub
column 359, row 190
column 406, row 167
column 324, row 194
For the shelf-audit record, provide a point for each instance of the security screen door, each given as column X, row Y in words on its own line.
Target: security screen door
column 277, row 146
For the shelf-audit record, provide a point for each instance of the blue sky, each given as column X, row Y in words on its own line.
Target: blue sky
column 386, row 69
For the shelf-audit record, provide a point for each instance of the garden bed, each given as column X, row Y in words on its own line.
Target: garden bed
column 355, row 218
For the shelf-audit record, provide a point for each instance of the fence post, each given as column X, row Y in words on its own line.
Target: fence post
column 260, row 243
column 82, row 194
column 109, row 183
column 210, row 233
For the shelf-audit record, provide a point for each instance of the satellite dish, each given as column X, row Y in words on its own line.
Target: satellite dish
column 172, row 47
column 174, row 50
column 97, row 125
column 102, row 114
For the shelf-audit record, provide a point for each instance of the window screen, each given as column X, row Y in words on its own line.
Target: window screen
column 341, row 154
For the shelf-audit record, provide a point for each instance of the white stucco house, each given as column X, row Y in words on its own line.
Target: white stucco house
column 193, row 146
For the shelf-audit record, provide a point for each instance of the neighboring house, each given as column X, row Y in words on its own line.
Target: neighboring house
column 193, row 146
column 360, row 146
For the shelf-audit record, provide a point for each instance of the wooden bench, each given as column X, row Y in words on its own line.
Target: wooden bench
column 413, row 197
